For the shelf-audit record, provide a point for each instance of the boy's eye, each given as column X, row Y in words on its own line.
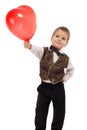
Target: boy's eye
column 63, row 38
column 57, row 36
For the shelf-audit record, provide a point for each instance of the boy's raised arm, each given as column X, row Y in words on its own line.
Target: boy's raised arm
column 37, row 51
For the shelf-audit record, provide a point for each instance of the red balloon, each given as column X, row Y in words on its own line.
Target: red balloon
column 21, row 22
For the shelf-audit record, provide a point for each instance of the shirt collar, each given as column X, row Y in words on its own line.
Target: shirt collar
column 59, row 50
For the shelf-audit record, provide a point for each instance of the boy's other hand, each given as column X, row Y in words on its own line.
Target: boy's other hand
column 27, row 45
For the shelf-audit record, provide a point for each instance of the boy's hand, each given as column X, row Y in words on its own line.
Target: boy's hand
column 27, row 45
column 63, row 80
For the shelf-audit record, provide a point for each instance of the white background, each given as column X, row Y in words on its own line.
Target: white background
column 19, row 69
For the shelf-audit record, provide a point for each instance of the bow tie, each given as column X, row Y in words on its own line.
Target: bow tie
column 55, row 50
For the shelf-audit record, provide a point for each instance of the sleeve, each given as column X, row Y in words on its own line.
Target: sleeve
column 37, row 51
column 69, row 71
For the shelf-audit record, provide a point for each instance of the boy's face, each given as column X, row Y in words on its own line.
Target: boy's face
column 59, row 39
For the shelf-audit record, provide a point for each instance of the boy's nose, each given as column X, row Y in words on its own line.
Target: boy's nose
column 59, row 39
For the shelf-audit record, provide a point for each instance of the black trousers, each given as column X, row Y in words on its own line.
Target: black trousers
column 48, row 92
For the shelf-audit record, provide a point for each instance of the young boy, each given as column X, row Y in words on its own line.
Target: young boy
column 55, row 69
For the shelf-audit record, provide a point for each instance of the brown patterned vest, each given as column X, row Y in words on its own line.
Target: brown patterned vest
column 52, row 71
